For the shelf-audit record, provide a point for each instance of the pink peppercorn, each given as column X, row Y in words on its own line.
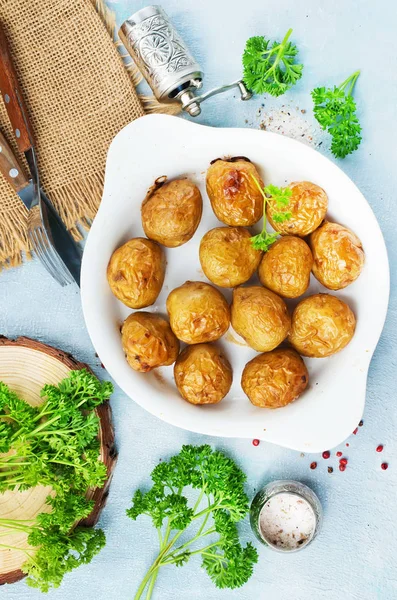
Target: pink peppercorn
column 255, row 442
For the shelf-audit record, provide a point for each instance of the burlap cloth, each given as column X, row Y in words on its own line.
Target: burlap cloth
column 79, row 95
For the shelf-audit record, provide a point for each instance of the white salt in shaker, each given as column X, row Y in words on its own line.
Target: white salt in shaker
column 286, row 515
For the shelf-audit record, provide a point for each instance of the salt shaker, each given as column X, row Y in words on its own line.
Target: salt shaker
column 286, row 515
column 165, row 61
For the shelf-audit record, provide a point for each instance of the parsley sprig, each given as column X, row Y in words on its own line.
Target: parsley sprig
column 220, row 485
column 57, row 547
column 280, row 198
column 335, row 110
column 270, row 67
column 54, row 444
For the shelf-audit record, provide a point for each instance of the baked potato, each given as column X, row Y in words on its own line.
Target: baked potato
column 171, row 212
column 285, row 267
column 234, row 196
column 260, row 317
column 148, row 341
column 338, row 255
column 203, row 374
column 227, row 256
column 275, row 379
column 198, row 312
column 136, row 272
column 321, row 325
column 307, row 205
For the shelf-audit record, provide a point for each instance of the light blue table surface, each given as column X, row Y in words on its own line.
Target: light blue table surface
column 354, row 557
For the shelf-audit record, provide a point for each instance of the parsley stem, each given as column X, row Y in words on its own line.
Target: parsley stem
column 152, row 584
column 352, row 79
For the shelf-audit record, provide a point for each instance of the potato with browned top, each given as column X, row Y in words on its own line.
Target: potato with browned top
column 227, row 256
column 321, row 325
column 234, row 196
column 171, row 212
column 136, row 272
column 275, row 379
column 198, row 312
column 338, row 255
column 148, row 342
column 260, row 317
column 203, row 374
column 308, row 205
column 285, row 268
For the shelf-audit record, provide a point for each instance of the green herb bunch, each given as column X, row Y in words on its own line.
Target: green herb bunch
column 335, row 110
column 55, row 444
column 271, row 67
column 280, row 198
column 221, row 502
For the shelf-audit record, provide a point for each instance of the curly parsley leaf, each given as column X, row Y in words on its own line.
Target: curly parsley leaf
column 280, row 199
column 219, row 483
column 335, row 110
column 271, row 67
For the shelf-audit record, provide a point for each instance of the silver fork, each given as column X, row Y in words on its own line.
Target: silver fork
column 39, row 233
column 50, row 239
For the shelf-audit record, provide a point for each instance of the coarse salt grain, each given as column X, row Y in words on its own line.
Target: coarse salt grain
column 287, row 521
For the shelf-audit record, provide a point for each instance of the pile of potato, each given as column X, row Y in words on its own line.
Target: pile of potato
column 320, row 325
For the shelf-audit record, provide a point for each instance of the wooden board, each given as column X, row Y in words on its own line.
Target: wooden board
column 25, row 366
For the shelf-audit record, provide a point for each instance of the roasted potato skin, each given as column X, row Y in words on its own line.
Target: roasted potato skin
column 285, row 268
column 203, row 374
column 275, row 379
column 148, row 342
column 234, row 197
column 338, row 255
column 321, row 325
column 198, row 312
column 260, row 317
column 308, row 206
column 171, row 212
column 136, row 272
column 227, row 256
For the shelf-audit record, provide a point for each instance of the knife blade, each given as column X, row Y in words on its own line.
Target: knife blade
column 15, row 174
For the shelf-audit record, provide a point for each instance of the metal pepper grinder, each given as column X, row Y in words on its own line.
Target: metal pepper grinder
column 166, row 63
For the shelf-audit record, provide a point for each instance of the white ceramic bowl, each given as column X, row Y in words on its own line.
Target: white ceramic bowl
column 158, row 145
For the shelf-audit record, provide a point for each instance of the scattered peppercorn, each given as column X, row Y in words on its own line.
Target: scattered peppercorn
column 255, row 442
column 313, row 465
column 326, row 454
column 355, row 431
column 384, row 466
column 330, row 470
column 343, row 461
column 342, row 467
column 361, row 423
column 339, row 453
column 379, row 448
column 347, row 444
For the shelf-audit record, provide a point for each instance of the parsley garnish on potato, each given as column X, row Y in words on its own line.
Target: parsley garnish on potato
column 281, row 198
column 219, row 503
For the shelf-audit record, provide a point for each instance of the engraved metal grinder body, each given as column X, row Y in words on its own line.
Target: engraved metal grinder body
column 165, row 62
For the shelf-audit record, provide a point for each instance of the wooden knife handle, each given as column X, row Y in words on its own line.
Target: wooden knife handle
column 12, row 96
column 10, row 166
